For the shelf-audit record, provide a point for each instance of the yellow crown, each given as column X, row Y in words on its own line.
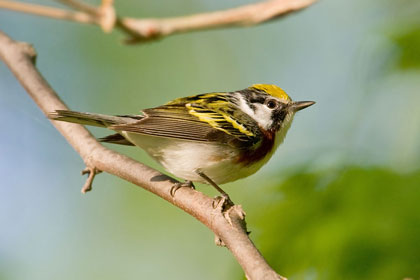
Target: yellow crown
column 272, row 90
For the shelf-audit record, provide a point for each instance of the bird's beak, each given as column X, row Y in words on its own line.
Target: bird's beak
column 299, row 105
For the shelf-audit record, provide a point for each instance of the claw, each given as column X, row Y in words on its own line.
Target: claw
column 223, row 201
column 178, row 185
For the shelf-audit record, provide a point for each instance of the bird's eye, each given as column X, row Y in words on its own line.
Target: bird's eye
column 272, row 104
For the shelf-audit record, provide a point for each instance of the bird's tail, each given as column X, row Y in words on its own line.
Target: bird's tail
column 91, row 119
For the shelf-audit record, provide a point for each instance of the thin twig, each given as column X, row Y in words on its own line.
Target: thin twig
column 108, row 15
column 77, row 5
column 45, row 11
column 105, row 13
column 141, row 30
column 19, row 57
column 92, row 171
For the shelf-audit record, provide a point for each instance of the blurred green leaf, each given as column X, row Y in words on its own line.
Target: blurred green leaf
column 349, row 224
column 408, row 43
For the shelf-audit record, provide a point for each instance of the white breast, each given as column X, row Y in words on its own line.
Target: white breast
column 182, row 158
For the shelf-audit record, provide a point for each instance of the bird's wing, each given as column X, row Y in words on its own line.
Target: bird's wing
column 205, row 118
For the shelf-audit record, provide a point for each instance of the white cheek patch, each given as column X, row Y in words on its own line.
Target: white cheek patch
column 262, row 114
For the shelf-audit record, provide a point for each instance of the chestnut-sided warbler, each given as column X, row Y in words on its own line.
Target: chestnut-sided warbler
column 212, row 138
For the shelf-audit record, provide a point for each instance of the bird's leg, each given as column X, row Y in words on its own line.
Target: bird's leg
column 224, row 198
column 176, row 186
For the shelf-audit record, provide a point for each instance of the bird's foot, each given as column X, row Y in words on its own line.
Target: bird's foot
column 178, row 185
column 222, row 201
column 230, row 211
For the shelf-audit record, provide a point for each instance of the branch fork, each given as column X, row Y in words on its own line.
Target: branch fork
column 140, row 30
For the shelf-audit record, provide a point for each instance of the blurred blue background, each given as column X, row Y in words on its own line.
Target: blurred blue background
column 339, row 200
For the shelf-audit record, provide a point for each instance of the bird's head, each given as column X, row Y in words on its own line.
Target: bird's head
column 270, row 106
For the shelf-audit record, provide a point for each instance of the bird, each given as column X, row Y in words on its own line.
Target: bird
column 212, row 138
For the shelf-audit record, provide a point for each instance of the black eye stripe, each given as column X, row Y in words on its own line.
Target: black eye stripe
column 251, row 96
column 250, row 104
column 257, row 99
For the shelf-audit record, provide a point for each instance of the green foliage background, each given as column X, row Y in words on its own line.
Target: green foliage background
column 352, row 223
column 339, row 200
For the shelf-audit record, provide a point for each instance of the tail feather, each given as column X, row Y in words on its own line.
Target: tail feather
column 91, row 119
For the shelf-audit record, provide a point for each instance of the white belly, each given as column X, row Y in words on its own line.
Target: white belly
column 183, row 158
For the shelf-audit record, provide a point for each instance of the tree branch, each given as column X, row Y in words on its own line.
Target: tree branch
column 45, row 11
column 229, row 226
column 141, row 30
